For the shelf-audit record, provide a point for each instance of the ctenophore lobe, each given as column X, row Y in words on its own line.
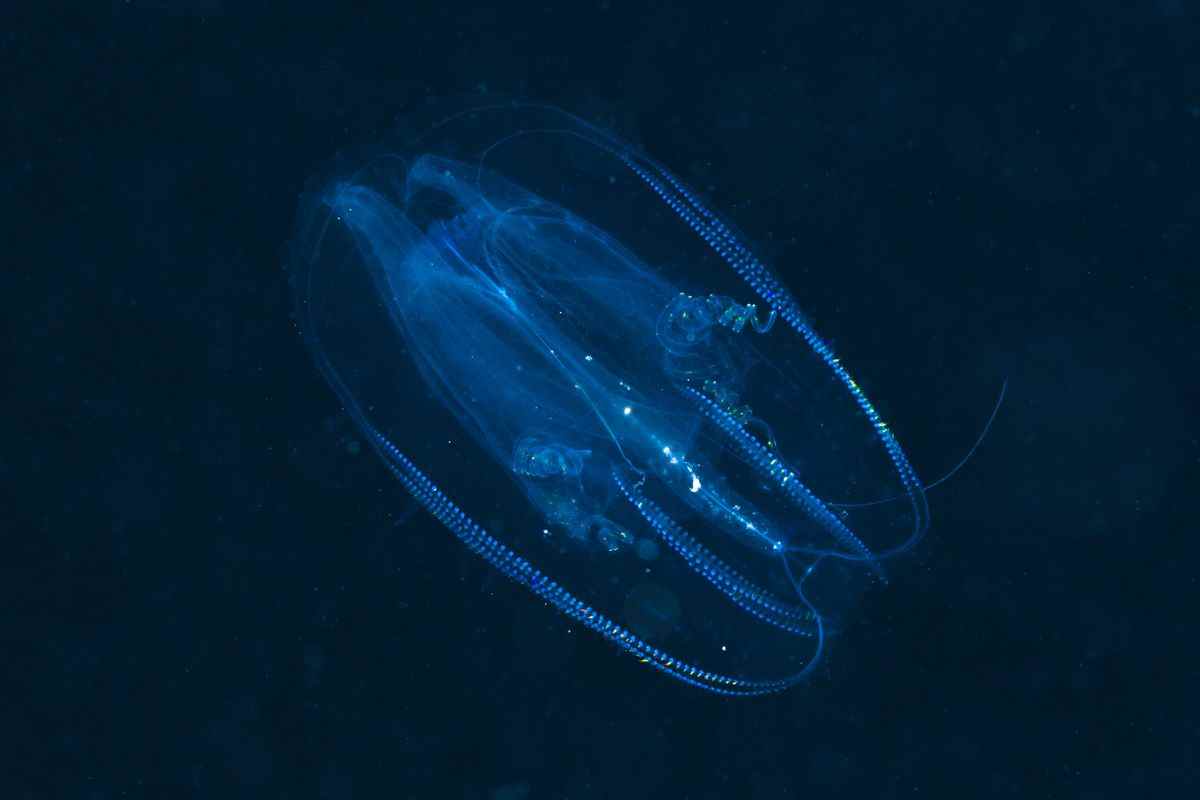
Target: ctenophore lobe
column 584, row 373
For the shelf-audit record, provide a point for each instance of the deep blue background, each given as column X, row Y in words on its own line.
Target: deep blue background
column 210, row 592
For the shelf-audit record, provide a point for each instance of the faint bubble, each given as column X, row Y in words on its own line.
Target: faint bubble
column 651, row 611
column 646, row 549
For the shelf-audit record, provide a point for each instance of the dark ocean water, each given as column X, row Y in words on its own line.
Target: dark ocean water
column 214, row 589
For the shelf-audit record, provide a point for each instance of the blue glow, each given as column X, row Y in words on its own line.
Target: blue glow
column 587, row 334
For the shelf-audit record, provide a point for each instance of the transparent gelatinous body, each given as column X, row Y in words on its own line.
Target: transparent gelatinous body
column 585, row 374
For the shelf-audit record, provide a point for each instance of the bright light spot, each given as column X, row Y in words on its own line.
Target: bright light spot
column 666, row 451
column 587, row 358
column 628, row 411
column 695, row 484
